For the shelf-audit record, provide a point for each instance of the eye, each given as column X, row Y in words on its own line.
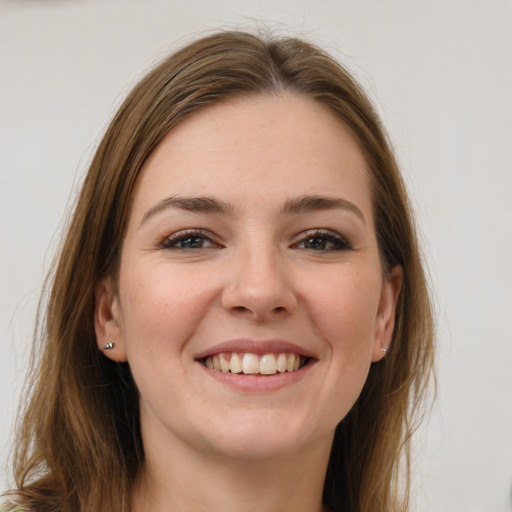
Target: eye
column 322, row 240
column 190, row 239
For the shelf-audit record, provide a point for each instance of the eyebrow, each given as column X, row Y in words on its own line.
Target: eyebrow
column 306, row 204
column 299, row 205
column 190, row 204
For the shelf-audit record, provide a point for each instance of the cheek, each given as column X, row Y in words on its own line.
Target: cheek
column 344, row 316
column 345, row 309
column 161, row 306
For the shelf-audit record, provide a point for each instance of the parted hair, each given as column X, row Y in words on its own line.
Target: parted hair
column 79, row 444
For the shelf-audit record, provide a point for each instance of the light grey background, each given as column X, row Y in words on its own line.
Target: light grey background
column 442, row 73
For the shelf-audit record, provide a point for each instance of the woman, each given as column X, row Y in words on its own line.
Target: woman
column 238, row 317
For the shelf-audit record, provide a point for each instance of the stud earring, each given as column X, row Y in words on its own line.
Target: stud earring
column 384, row 349
column 108, row 346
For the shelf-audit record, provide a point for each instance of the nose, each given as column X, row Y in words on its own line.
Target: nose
column 258, row 287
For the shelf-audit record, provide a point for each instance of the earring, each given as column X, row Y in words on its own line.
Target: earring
column 383, row 349
column 108, row 346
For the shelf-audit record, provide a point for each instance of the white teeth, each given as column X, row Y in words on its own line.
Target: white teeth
column 224, row 363
column 252, row 364
column 281, row 363
column 268, row 364
column 290, row 362
column 235, row 364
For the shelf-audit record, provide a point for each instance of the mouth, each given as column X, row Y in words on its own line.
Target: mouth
column 248, row 363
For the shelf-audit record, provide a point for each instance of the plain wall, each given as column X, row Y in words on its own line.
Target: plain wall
column 441, row 75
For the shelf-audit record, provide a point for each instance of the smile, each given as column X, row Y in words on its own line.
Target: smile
column 252, row 364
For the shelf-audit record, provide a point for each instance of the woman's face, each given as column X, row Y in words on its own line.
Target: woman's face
column 251, row 248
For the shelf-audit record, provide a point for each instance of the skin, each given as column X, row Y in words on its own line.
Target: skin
column 254, row 271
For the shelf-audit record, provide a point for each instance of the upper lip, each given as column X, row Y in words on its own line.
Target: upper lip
column 259, row 347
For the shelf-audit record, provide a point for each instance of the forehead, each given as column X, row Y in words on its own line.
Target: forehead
column 264, row 146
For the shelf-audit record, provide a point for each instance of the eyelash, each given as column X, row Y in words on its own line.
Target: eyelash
column 339, row 243
column 172, row 241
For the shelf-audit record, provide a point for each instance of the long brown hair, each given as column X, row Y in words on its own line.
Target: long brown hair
column 79, row 444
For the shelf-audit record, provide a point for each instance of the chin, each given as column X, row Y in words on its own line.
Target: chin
column 267, row 437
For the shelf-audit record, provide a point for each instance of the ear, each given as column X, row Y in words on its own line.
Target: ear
column 107, row 321
column 385, row 320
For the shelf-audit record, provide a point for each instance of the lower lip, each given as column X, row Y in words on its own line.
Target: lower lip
column 255, row 383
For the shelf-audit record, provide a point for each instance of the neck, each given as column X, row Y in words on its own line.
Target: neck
column 193, row 481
